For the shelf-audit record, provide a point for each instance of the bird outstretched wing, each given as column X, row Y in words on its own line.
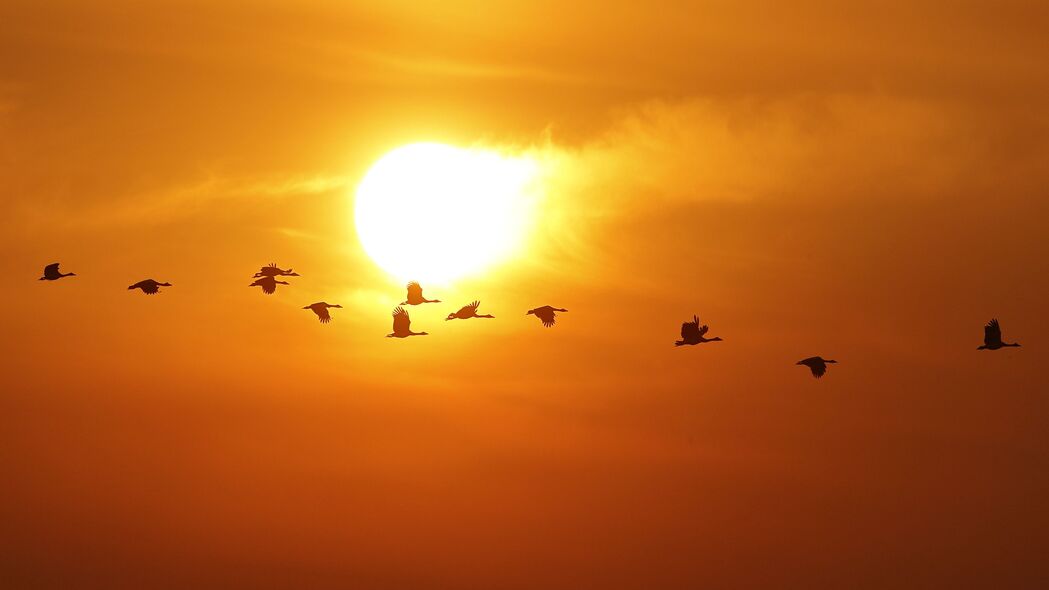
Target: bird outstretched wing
column 691, row 330
column 816, row 365
column 322, row 313
column 51, row 269
column 401, row 322
column 415, row 291
column 992, row 333
column 546, row 315
column 148, row 286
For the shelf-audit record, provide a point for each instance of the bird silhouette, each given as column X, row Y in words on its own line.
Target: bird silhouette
column 817, row 365
column 268, row 284
column 272, row 270
column 149, row 286
column 466, row 312
column 992, row 337
column 51, row 273
column 402, row 325
column 545, row 314
column 321, row 309
column 415, row 295
column 692, row 333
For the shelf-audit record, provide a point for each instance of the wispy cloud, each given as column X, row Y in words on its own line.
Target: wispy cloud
column 175, row 203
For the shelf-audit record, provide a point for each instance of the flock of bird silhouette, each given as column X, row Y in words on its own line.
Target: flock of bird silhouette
column 692, row 332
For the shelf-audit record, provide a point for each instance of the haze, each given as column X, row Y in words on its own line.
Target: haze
column 866, row 182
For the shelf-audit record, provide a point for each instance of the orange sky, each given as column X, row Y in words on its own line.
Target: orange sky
column 867, row 184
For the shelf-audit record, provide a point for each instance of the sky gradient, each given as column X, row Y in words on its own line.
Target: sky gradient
column 864, row 183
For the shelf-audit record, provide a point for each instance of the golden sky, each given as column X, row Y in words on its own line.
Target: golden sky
column 863, row 182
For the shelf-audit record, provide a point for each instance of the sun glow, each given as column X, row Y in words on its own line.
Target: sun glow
column 433, row 212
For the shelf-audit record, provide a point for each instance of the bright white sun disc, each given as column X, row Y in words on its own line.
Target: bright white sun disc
column 433, row 212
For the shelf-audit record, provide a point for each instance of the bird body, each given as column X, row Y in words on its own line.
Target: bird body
column 817, row 365
column 415, row 295
column 149, row 286
column 402, row 325
column 546, row 314
column 268, row 284
column 272, row 270
column 466, row 312
column 992, row 337
column 321, row 309
column 692, row 333
column 51, row 273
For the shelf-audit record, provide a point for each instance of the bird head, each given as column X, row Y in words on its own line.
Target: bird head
column 335, row 305
column 799, row 363
column 451, row 316
column 291, row 274
column 715, row 339
column 828, row 361
column 530, row 312
column 131, row 287
column 307, row 307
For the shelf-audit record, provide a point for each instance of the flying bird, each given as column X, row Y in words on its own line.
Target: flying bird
column 321, row 309
column 268, row 284
column 992, row 337
column 402, row 325
column 272, row 270
column 545, row 314
column 692, row 333
column 415, row 295
column 51, row 273
column 149, row 286
column 466, row 312
column 817, row 365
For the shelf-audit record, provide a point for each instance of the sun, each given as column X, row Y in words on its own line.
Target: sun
column 433, row 212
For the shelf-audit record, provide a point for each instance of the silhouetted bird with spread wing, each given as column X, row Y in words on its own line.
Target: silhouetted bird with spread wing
column 545, row 314
column 268, row 284
column 466, row 312
column 149, row 286
column 992, row 337
column 692, row 333
column 51, row 273
column 321, row 309
column 415, row 295
column 272, row 270
column 402, row 325
column 817, row 365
